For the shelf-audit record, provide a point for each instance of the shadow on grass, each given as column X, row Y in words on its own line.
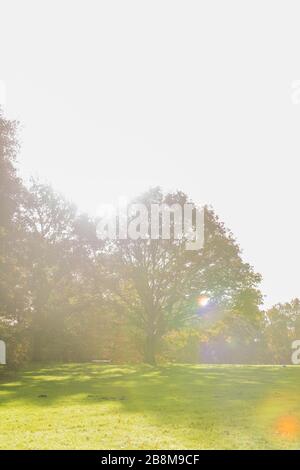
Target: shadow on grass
column 190, row 396
column 152, row 385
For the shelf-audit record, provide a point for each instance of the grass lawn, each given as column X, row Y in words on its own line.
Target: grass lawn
column 84, row 406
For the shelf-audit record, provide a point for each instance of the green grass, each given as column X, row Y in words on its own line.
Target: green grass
column 138, row 407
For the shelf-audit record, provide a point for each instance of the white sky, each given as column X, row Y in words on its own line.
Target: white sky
column 116, row 96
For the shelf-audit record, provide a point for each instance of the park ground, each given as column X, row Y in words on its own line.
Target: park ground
column 94, row 406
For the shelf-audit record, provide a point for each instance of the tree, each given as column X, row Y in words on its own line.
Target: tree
column 69, row 319
column 49, row 220
column 13, row 280
column 281, row 329
column 159, row 282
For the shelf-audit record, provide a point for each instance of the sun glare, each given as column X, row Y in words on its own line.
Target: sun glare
column 288, row 426
column 203, row 301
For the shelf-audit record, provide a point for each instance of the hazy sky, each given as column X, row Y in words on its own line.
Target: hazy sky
column 117, row 96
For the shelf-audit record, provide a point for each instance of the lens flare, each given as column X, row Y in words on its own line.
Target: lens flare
column 203, row 301
column 288, row 426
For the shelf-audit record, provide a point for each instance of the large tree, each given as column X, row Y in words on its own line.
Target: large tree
column 158, row 282
column 69, row 319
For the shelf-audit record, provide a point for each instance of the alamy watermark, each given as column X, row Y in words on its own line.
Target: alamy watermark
column 296, row 354
column 158, row 222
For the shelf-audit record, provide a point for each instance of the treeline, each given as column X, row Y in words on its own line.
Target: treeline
column 65, row 295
